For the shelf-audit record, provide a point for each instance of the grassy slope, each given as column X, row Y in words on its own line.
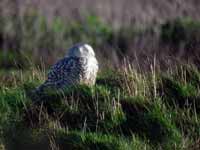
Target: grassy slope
column 124, row 110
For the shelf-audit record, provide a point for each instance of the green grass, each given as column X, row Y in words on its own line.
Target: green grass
column 71, row 140
column 124, row 110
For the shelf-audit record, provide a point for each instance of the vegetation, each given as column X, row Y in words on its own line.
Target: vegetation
column 41, row 41
column 181, row 33
column 155, row 107
column 128, row 109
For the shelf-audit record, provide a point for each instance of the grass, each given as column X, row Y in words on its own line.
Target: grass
column 124, row 110
column 73, row 140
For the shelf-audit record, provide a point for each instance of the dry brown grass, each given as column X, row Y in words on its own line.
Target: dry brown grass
column 116, row 12
column 141, row 16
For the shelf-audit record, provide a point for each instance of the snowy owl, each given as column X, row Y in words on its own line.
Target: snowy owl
column 79, row 66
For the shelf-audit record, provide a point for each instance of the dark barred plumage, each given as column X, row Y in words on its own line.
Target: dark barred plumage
column 67, row 71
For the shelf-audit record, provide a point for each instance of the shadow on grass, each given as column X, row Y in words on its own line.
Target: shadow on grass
column 149, row 122
column 176, row 94
column 91, row 107
column 31, row 139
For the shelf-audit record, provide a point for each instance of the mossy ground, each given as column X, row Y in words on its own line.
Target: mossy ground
column 124, row 110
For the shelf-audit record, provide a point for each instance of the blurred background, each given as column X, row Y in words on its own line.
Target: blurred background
column 138, row 31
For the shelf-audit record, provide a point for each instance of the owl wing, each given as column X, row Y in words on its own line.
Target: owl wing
column 65, row 72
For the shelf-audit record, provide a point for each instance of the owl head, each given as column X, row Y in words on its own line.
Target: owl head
column 81, row 50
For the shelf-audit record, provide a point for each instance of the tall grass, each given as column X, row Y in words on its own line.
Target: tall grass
column 128, row 109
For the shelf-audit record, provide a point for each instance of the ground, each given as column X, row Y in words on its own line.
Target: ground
column 124, row 110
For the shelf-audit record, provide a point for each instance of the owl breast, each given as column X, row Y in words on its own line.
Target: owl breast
column 90, row 69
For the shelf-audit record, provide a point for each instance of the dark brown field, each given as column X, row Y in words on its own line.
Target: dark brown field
column 136, row 29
